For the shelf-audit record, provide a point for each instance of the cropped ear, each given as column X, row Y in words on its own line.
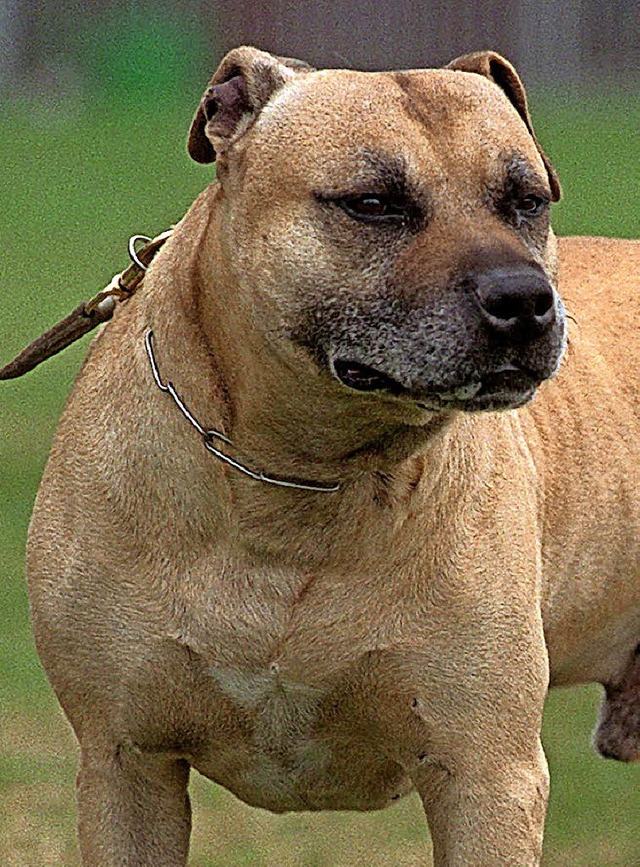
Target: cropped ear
column 498, row 70
column 243, row 84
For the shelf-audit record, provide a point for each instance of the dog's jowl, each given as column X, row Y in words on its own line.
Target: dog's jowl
column 418, row 506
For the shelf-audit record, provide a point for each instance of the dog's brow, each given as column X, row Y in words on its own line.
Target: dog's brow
column 519, row 171
column 391, row 169
column 376, row 171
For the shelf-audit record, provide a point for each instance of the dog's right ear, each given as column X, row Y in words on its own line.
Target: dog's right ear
column 243, row 84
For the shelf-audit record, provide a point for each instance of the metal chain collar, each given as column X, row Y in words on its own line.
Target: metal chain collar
column 209, row 436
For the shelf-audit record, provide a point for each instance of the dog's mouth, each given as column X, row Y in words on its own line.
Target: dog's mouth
column 362, row 377
column 504, row 387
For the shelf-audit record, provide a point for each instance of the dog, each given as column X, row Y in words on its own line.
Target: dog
column 344, row 488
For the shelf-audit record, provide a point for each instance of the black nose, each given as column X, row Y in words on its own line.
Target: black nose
column 516, row 302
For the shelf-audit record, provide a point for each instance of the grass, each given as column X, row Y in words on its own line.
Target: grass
column 78, row 183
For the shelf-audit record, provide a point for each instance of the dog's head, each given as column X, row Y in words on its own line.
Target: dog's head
column 395, row 226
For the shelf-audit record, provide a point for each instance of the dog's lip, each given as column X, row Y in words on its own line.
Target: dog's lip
column 508, row 380
column 363, row 377
column 506, row 384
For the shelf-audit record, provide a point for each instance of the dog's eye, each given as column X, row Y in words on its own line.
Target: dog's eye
column 531, row 205
column 370, row 207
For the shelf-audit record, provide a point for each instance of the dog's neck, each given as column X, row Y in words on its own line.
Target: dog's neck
column 281, row 416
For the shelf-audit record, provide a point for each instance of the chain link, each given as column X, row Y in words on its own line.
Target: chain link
column 209, row 436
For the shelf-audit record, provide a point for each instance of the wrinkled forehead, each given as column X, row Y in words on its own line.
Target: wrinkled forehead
column 440, row 116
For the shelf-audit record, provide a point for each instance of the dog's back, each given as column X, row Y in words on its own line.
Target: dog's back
column 584, row 438
column 600, row 286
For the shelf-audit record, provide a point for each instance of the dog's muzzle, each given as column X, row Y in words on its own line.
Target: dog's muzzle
column 506, row 342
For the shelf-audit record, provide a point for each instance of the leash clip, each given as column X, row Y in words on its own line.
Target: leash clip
column 133, row 240
column 89, row 314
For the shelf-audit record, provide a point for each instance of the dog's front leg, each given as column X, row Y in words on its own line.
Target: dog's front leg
column 481, row 773
column 133, row 809
column 489, row 811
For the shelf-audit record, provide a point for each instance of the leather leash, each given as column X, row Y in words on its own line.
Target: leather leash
column 89, row 314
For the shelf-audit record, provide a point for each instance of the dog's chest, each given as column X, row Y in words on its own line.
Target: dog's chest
column 249, row 689
column 289, row 685
column 294, row 745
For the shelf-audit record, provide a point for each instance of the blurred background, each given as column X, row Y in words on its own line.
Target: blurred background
column 96, row 100
column 114, row 46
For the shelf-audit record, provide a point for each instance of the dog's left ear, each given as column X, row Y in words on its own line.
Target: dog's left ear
column 242, row 85
column 498, row 70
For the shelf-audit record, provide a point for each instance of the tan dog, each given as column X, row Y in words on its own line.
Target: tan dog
column 372, row 267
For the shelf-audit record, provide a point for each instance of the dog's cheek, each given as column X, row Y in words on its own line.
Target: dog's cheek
column 332, row 286
column 293, row 264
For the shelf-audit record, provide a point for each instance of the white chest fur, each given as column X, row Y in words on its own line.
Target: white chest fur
column 285, row 753
column 249, row 689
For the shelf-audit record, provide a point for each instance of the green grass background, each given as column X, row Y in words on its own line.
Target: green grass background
column 75, row 183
